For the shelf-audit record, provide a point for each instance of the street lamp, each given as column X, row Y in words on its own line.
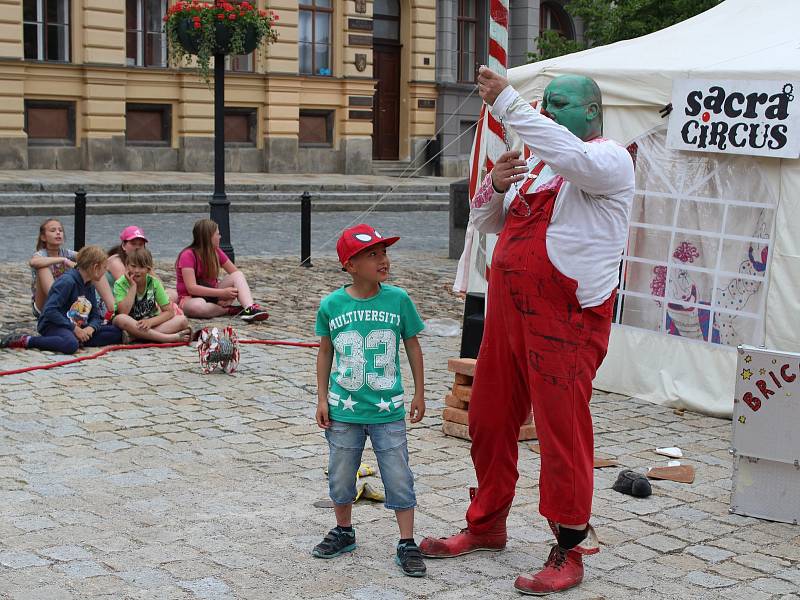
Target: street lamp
column 220, row 205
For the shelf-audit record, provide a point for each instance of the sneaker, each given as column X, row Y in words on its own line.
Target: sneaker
column 336, row 542
column 253, row 313
column 410, row 560
column 235, row 311
column 562, row 571
column 14, row 341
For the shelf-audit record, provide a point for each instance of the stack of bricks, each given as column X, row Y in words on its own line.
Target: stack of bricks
column 455, row 419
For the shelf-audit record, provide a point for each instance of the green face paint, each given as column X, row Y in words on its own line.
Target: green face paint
column 567, row 99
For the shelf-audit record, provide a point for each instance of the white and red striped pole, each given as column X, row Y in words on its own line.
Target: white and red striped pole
column 498, row 62
column 489, row 144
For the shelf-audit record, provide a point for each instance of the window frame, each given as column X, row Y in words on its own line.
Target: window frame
column 462, row 21
column 231, row 61
column 166, row 123
column 42, row 24
column 557, row 12
column 251, row 112
column 318, row 112
column 141, row 35
column 311, row 7
column 69, row 105
column 396, row 19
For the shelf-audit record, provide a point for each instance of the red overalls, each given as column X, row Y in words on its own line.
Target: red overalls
column 539, row 349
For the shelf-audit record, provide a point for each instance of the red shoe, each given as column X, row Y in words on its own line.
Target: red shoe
column 562, row 571
column 465, row 542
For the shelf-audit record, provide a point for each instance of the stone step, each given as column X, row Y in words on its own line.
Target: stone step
column 18, row 187
column 60, row 208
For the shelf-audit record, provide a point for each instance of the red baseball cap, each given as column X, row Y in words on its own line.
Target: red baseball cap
column 357, row 238
column 131, row 233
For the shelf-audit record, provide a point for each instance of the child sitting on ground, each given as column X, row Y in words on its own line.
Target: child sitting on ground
column 142, row 305
column 70, row 316
column 50, row 261
column 201, row 294
column 362, row 325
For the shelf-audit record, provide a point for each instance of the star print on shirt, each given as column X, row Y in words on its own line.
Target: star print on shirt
column 397, row 401
column 384, row 406
column 348, row 403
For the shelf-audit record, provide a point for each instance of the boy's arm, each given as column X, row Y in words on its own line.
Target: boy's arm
column 324, row 363
column 123, row 297
column 165, row 315
column 414, row 353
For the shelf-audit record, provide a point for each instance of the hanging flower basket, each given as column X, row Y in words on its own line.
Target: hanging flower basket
column 203, row 29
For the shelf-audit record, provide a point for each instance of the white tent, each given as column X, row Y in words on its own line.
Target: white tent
column 713, row 258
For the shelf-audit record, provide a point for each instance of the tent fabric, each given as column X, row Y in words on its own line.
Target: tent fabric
column 736, row 40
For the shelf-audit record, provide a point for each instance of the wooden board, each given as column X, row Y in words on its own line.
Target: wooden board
column 526, row 432
column 681, row 473
column 463, row 379
column 454, row 402
column 465, row 366
column 455, row 415
column 462, row 392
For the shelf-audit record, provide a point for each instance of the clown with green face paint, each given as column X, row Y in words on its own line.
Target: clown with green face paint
column 562, row 219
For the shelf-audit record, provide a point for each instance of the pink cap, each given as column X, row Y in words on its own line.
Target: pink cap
column 131, row 233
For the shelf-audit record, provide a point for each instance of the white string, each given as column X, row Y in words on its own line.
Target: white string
column 402, row 178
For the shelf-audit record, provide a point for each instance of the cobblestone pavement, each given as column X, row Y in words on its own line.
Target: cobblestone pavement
column 135, row 476
column 252, row 234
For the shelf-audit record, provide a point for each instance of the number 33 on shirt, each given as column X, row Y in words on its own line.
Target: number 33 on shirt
column 365, row 386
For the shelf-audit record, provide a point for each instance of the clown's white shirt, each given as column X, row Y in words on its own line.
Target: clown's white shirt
column 589, row 228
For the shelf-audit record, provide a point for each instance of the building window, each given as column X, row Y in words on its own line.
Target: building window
column 314, row 43
column 49, row 123
column 46, row 29
column 467, row 40
column 148, row 124
column 240, row 126
column 386, row 20
column 146, row 43
column 316, row 128
column 240, row 63
column 553, row 16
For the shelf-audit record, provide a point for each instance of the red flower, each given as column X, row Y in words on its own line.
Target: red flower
column 262, row 13
column 220, row 16
column 274, row 16
column 197, row 24
column 232, row 16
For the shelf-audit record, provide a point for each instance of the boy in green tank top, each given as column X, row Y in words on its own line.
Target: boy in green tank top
column 361, row 324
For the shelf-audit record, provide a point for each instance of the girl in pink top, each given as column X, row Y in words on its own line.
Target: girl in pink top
column 201, row 294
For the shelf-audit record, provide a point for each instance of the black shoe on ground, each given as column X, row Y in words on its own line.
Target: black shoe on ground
column 253, row 313
column 335, row 542
column 14, row 341
column 633, row 483
column 410, row 560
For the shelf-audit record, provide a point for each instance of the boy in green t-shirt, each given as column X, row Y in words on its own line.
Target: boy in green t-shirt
column 142, row 305
column 362, row 325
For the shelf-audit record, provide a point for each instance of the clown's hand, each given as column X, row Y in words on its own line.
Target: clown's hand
column 490, row 84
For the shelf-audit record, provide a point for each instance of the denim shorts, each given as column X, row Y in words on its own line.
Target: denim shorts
column 346, row 443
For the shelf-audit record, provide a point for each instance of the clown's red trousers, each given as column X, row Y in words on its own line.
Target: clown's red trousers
column 540, row 350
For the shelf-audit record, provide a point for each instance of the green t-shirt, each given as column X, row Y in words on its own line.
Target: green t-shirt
column 145, row 305
column 365, row 385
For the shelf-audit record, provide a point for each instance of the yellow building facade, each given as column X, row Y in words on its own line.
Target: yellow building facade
column 88, row 84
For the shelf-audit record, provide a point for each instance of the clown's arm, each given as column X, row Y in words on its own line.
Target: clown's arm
column 596, row 168
column 487, row 208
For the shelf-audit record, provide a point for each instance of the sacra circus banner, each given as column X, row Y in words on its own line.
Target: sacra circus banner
column 760, row 118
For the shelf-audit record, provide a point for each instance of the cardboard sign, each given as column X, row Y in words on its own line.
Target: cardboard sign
column 758, row 118
column 766, row 409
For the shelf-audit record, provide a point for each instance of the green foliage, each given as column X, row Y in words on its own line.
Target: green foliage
column 609, row 21
column 551, row 44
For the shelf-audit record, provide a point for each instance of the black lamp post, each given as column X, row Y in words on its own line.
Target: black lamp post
column 220, row 204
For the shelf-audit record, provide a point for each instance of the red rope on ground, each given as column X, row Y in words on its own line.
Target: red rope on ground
column 107, row 349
